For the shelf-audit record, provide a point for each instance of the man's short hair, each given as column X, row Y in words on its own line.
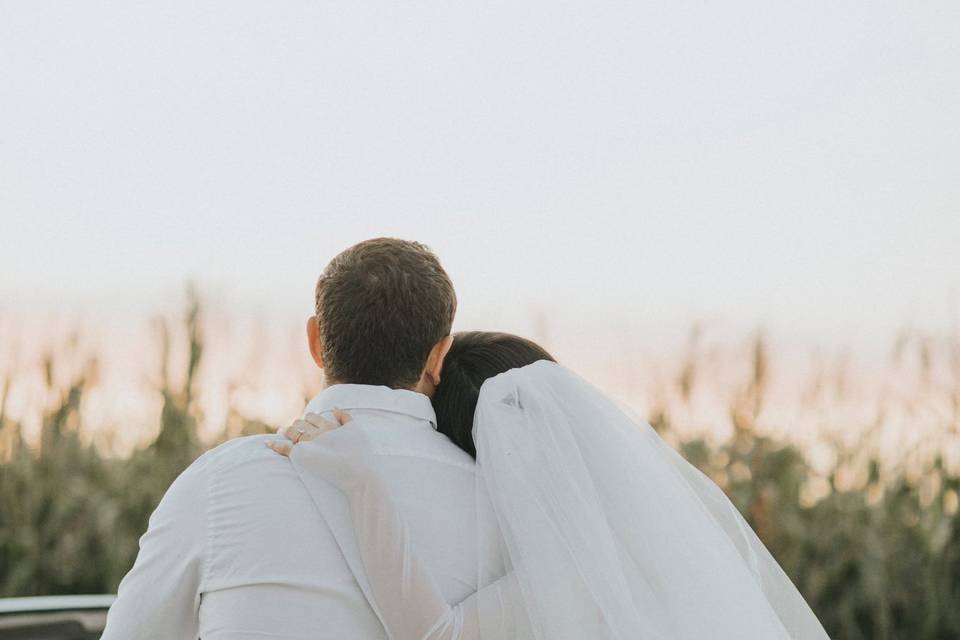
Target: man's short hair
column 382, row 305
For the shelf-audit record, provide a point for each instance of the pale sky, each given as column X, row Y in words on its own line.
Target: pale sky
column 604, row 165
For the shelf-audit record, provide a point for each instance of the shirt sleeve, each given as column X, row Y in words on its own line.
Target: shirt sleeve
column 160, row 596
column 410, row 603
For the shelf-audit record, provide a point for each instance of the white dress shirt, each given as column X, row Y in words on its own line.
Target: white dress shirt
column 239, row 548
column 405, row 593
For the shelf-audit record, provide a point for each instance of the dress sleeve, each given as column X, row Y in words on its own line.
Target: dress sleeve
column 410, row 603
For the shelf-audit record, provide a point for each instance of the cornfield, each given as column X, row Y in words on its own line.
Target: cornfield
column 872, row 541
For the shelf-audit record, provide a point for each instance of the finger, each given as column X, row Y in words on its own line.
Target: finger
column 320, row 422
column 342, row 416
column 290, row 432
column 299, row 431
column 280, row 446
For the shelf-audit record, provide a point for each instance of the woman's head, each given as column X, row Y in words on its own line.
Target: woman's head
column 474, row 357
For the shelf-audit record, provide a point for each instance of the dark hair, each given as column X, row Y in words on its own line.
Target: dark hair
column 474, row 357
column 381, row 307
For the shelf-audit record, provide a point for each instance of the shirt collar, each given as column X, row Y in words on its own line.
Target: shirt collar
column 379, row 398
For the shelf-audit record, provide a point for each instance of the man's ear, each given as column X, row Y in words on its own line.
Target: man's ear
column 313, row 340
column 436, row 358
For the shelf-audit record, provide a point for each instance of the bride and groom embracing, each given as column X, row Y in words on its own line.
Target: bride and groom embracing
column 446, row 487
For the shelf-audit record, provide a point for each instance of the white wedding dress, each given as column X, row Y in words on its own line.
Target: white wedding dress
column 609, row 532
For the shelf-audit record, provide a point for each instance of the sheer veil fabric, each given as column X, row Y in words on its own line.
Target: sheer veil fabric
column 610, row 533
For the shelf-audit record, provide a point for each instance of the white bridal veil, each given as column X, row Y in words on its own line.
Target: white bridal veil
column 609, row 532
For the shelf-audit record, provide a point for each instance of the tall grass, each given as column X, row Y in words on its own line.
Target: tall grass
column 872, row 542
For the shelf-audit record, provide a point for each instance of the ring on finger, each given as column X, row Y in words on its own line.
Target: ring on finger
column 300, row 433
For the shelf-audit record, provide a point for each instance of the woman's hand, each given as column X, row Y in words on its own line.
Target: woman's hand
column 312, row 426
